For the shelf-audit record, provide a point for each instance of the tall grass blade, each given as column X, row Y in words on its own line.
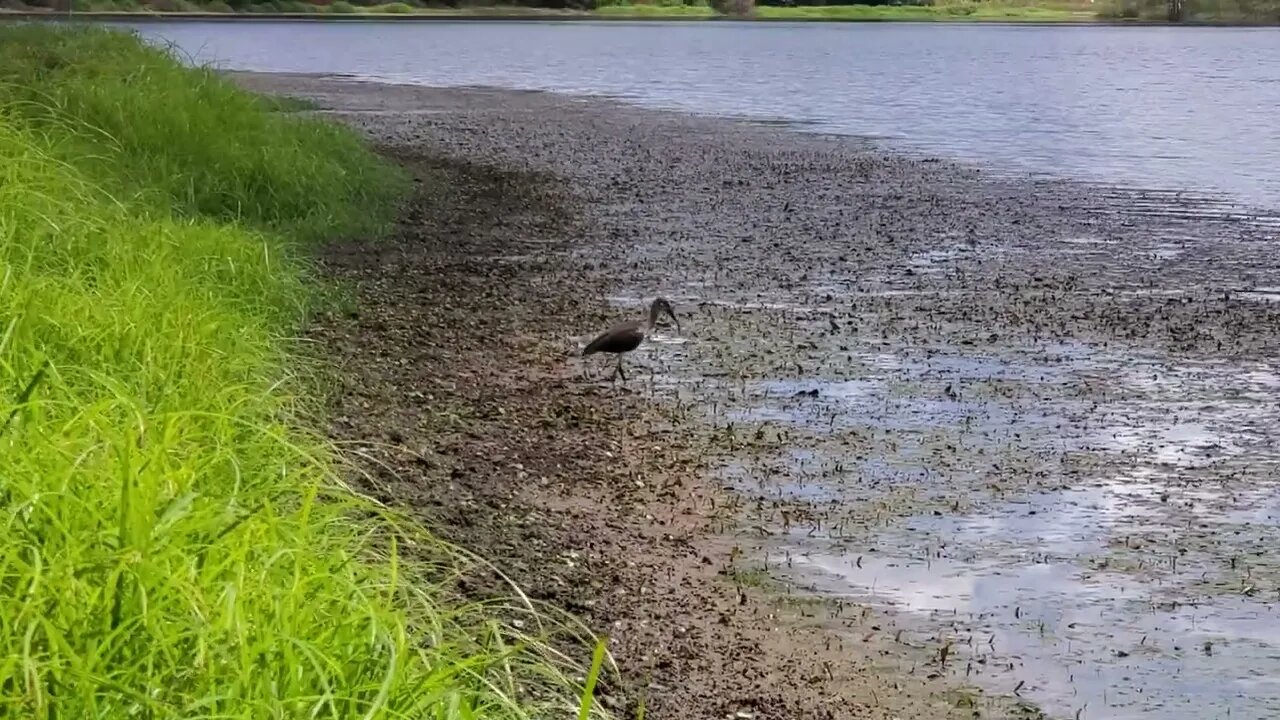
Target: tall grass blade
column 588, row 692
column 25, row 396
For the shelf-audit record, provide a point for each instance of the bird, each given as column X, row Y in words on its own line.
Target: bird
column 627, row 336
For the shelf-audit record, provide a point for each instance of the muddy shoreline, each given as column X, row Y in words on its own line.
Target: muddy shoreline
column 883, row 359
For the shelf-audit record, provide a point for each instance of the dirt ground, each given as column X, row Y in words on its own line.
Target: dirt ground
column 585, row 494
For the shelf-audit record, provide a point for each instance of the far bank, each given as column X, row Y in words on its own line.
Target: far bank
column 966, row 13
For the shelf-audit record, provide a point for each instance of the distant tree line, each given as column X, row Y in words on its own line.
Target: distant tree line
column 1249, row 11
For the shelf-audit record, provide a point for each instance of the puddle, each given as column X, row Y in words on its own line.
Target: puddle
column 932, row 261
column 1178, row 444
column 1261, row 510
column 1267, row 294
column 1167, row 251
column 1086, row 240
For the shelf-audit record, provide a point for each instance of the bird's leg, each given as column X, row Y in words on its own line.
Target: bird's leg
column 620, row 371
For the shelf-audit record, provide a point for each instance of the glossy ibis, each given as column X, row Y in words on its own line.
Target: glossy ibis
column 627, row 336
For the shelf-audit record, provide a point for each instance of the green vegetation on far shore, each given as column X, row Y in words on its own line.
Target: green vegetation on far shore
column 1249, row 12
column 951, row 11
column 178, row 541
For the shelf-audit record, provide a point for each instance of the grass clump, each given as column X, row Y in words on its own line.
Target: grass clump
column 624, row 8
column 298, row 7
column 183, row 6
column 982, row 10
column 190, row 141
column 178, row 543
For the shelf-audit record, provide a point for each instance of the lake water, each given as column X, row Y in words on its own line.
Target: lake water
column 1171, row 108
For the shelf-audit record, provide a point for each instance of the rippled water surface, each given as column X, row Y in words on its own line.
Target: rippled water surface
column 1173, row 108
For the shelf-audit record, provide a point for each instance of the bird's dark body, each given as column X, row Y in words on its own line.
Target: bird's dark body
column 620, row 338
column 625, row 337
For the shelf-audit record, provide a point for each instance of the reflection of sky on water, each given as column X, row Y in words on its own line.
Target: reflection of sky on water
column 1098, row 643
column 1018, row 576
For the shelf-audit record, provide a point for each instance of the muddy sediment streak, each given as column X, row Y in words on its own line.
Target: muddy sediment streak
column 870, row 338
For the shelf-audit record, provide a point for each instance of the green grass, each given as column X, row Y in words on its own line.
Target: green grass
column 657, row 10
column 177, row 539
column 394, row 8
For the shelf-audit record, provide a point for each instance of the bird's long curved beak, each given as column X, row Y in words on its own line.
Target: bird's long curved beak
column 675, row 319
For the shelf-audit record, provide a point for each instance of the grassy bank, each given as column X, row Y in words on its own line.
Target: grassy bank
column 178, row 543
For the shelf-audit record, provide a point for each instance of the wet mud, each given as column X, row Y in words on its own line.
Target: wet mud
column 982, row 439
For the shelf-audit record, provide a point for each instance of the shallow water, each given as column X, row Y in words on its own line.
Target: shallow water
column 1091, row 646
column 1175, row 109
column 1092, row 527
column 1091, row 523
column 1107, row 554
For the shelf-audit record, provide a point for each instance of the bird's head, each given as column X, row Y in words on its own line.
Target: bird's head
column 660, row 306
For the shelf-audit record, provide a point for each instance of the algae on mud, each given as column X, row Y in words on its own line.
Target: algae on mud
column 179, row 540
